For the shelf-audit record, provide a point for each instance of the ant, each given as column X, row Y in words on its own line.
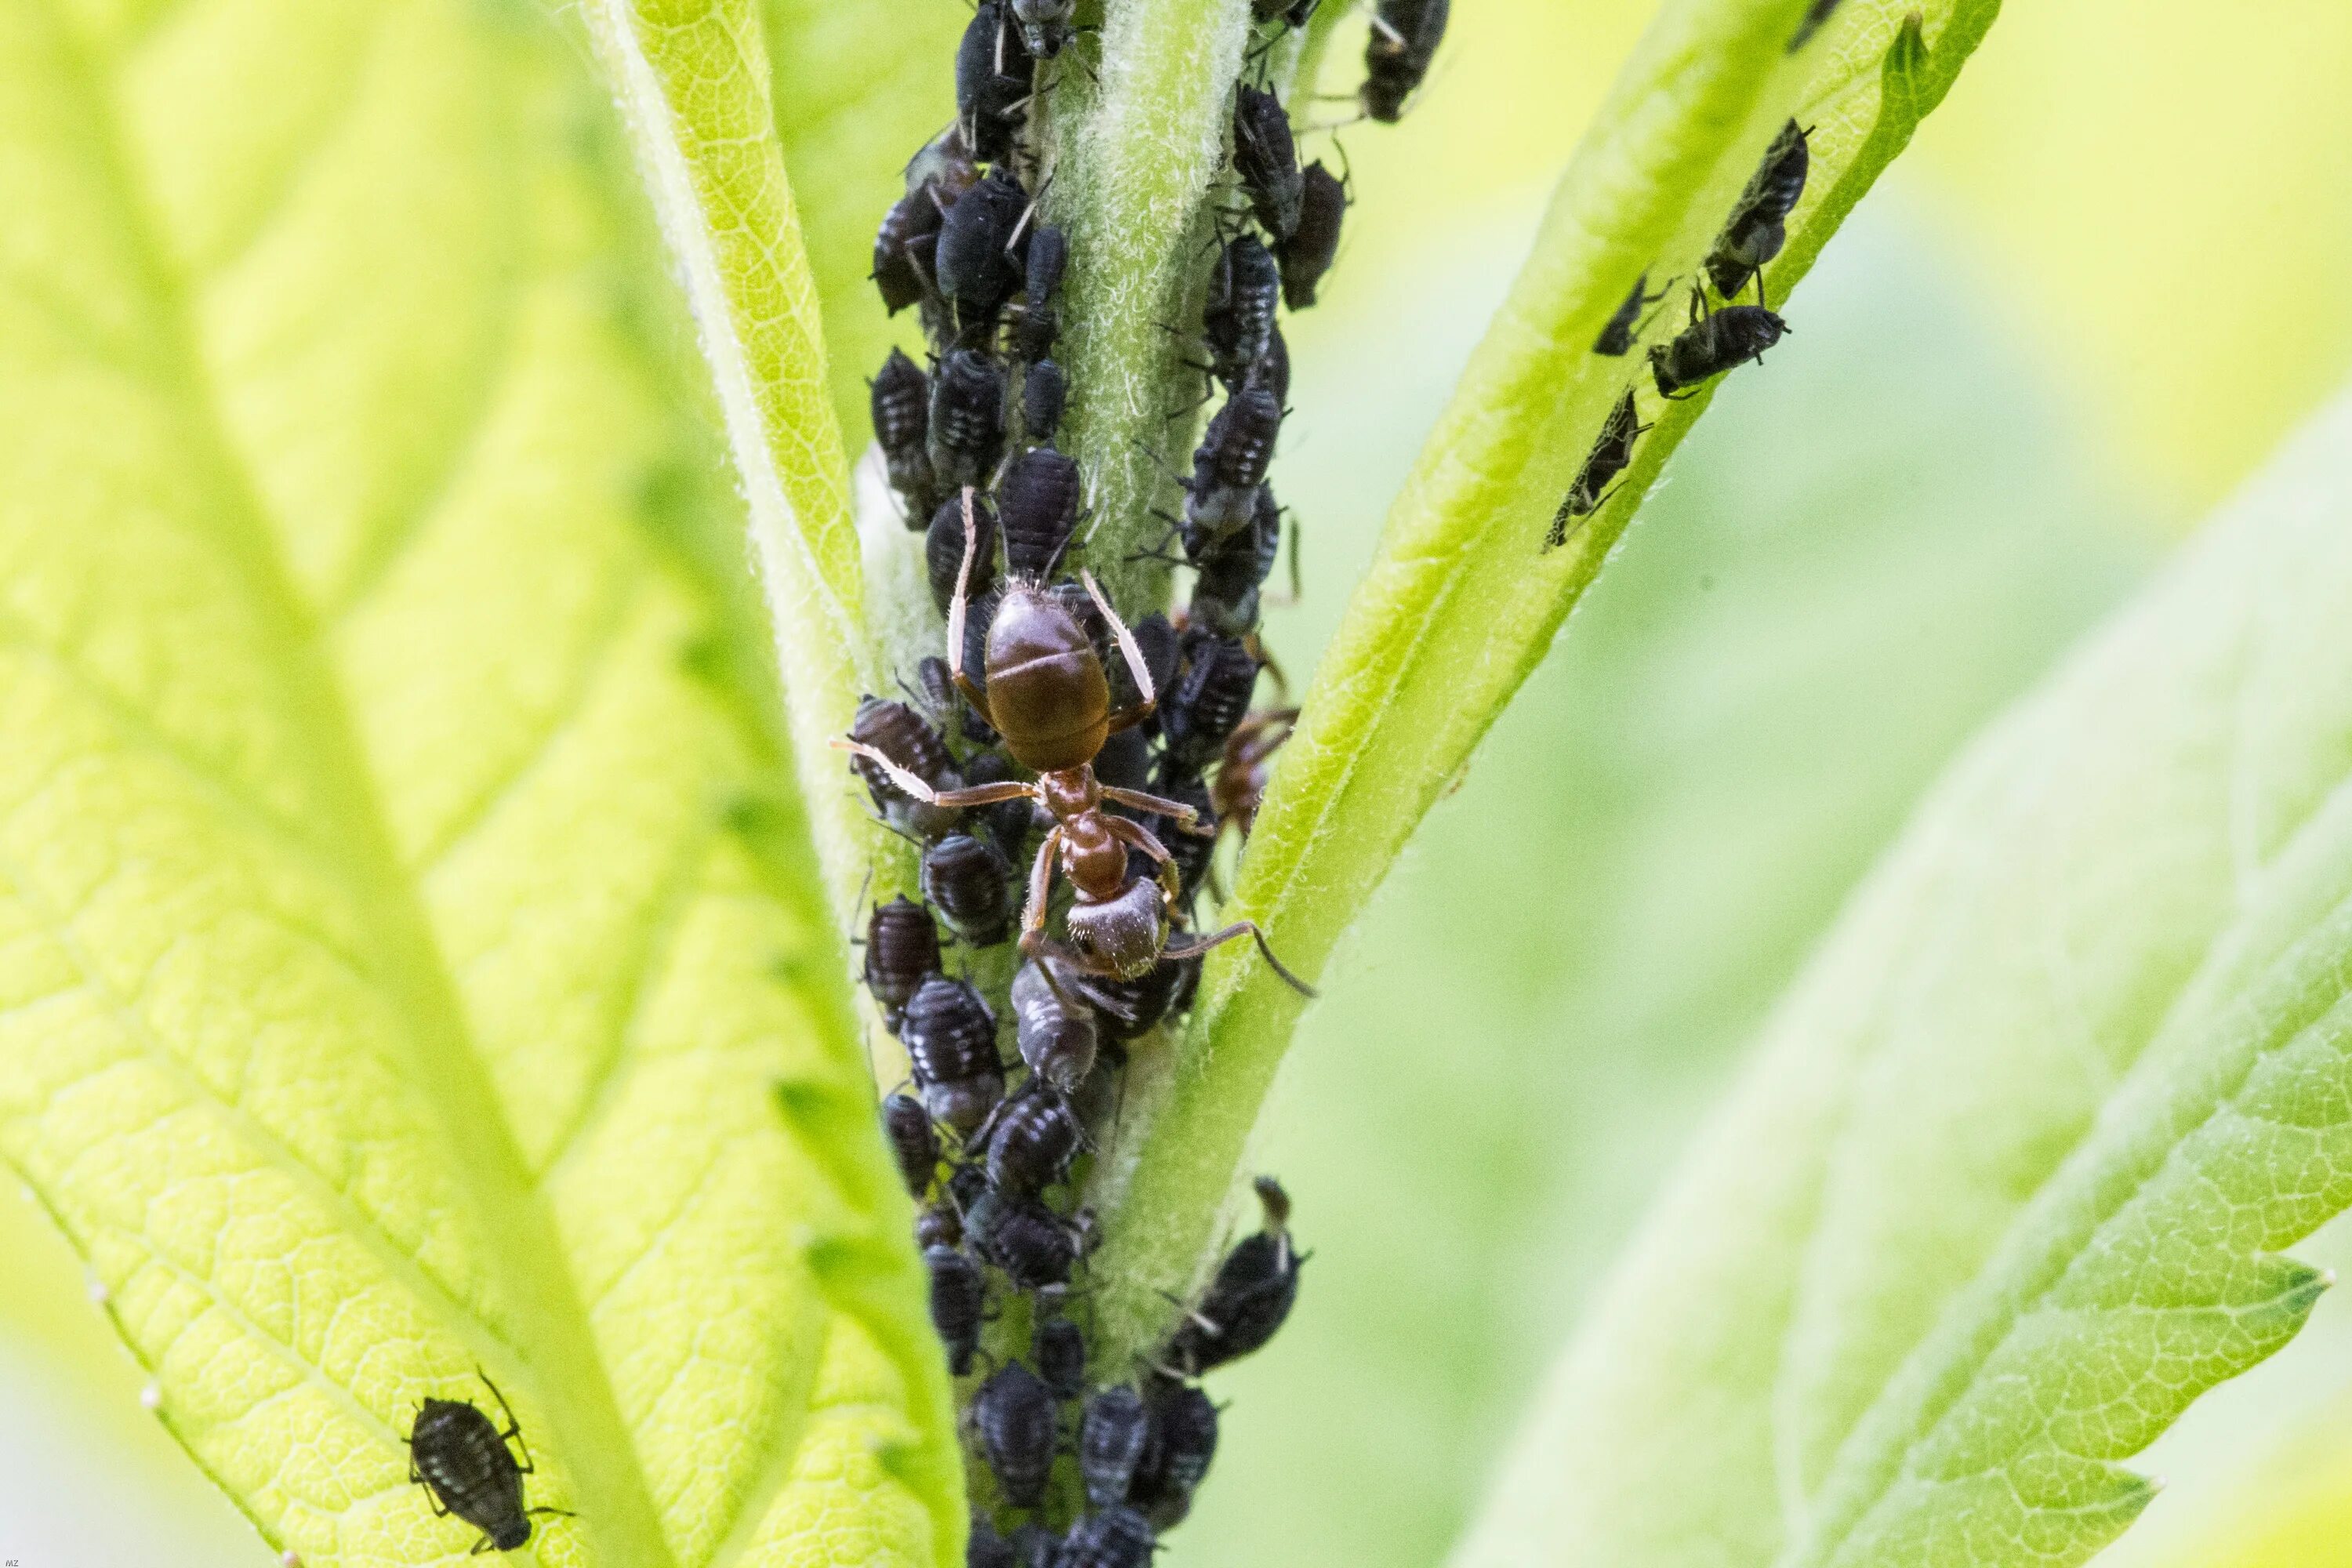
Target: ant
column 1047, row 696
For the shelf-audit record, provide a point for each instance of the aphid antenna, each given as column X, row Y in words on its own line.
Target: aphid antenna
column 1331, row 127
column 1159, row 462
column 1028, row 213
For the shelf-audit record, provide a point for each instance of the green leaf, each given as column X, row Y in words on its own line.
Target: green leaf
column 402, row 932
column 1460, row 602
column 1834, row 591
column 694, row 83
column 2006, row 1184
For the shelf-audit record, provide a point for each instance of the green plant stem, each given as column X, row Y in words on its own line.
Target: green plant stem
column 1131, row 179
column 1460, row 602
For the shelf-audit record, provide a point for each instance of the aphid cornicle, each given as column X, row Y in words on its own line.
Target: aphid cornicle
column 970, row 884
column 1758, row 224
column 1115, row 1537
column 1183, row 1443
column 1266, row 158
column 1019, row 1427
column 1612, row 452
column 904, row 736
column 967, row 418
column 1058, row 1346
column 950, row 1040
column 1252, row 1293
column 461, row 1458
column 1056, row 1033
column 1048, row 697
column 902, row 951
column 943, row 554
column 975, row 269
column 1112, row 1436
column 1235, row 450
column 1714, row 342
column 1616, row 339
column 1405, row 36
column 959, row 1302
column 1031, row 1139
column 992, row 75
column 914, row 1142
column 1238, row 321
column 901, row 408
column 1037, row 502
column 1314, row 245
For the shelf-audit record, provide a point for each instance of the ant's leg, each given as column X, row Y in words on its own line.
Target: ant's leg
column 1125, row 717
column 963, row 683
column 1254, row 731
column 1140, row 837
column 1188, row 820
column 1273, row 667
column 1195, row 946
column 954, row 799
column 1041, row 884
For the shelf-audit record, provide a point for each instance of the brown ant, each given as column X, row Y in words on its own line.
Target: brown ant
column 1047, row 696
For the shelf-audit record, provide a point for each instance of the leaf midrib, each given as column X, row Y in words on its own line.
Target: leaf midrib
column 512, row 1221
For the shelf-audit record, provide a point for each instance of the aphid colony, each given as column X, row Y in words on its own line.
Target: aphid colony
column 1717, row 337
column 1068, row 774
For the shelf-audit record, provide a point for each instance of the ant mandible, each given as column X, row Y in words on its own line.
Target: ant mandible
column 1048, row 697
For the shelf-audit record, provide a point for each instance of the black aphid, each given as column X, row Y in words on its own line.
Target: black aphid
column 1405, row 36
column 1758, row 226
column 1044, row 390
column 1311, row 248
column 950, row 1040
column 1248, row 1299
column 1190, row 853
column 967, row 418
column 959, row 1302
column 938, row 1225
column 1049, row 258
column 914, row 1142
column 902, row 951
column 971, row 886
column 1035, row 1246
column 1816, row 14
column 1233, row 568
column 1235, row 450
column 1237, row 322
column 1609, row 455
column 976, row 271
column 1019, row 1426
column 903, row 735
column 1155, row 638
column 1116, row 1537
column 1266, row 159
column 1031, row 1139
column 1183, row 1443
column 1034, row 1546
column 1125, row 763
column 461, row 1458
column 1058, row 1346
column 901, row 404
column 1714, row 342
column 1616, row 339
column 1209, row 698
column 1112, row 1436
column 904, row 248
column 1056, row 1035
column 1010, row 822
column 992, row 74
column 1037, row 502
column 943, row 553
column 1127, row 1009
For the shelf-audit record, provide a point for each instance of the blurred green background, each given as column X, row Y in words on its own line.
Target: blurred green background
column 2097, row 291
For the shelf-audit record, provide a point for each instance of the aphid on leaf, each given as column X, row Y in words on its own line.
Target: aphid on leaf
column 1758, row 223
column 1058, row 1346
column 1247, row 1301
column 967, row 418
column 1230, row 462
column 992, row 75
column 1314, row 244
column 1044, row 390
column 1612, row 452
column 902, row 951
column 1037, row 502
column 950, row 1040
column 1266, row 159
column 1211, row 697
column 1031, row 1139
column 1184, row 1442
column 914, row 1142
column 970, row 884
column 959, row 1303
column 1056, row 1032
column 1616, row 339
column 943, row 556
column 976, row 270
column 896, row 731
column 1112, row 1436
column 1036, row 1248
column 1237, row 319
column 1116, row 1537
column 1715, row 341
column 461, row 1458
column 1405, row 36
column 901, row 408
column 1019, row 1426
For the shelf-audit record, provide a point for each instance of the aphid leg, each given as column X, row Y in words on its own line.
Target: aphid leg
column 1187, row 819
column 514, row 1427
column 963, row 683
column 1125, row 717
column 1195, row 946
